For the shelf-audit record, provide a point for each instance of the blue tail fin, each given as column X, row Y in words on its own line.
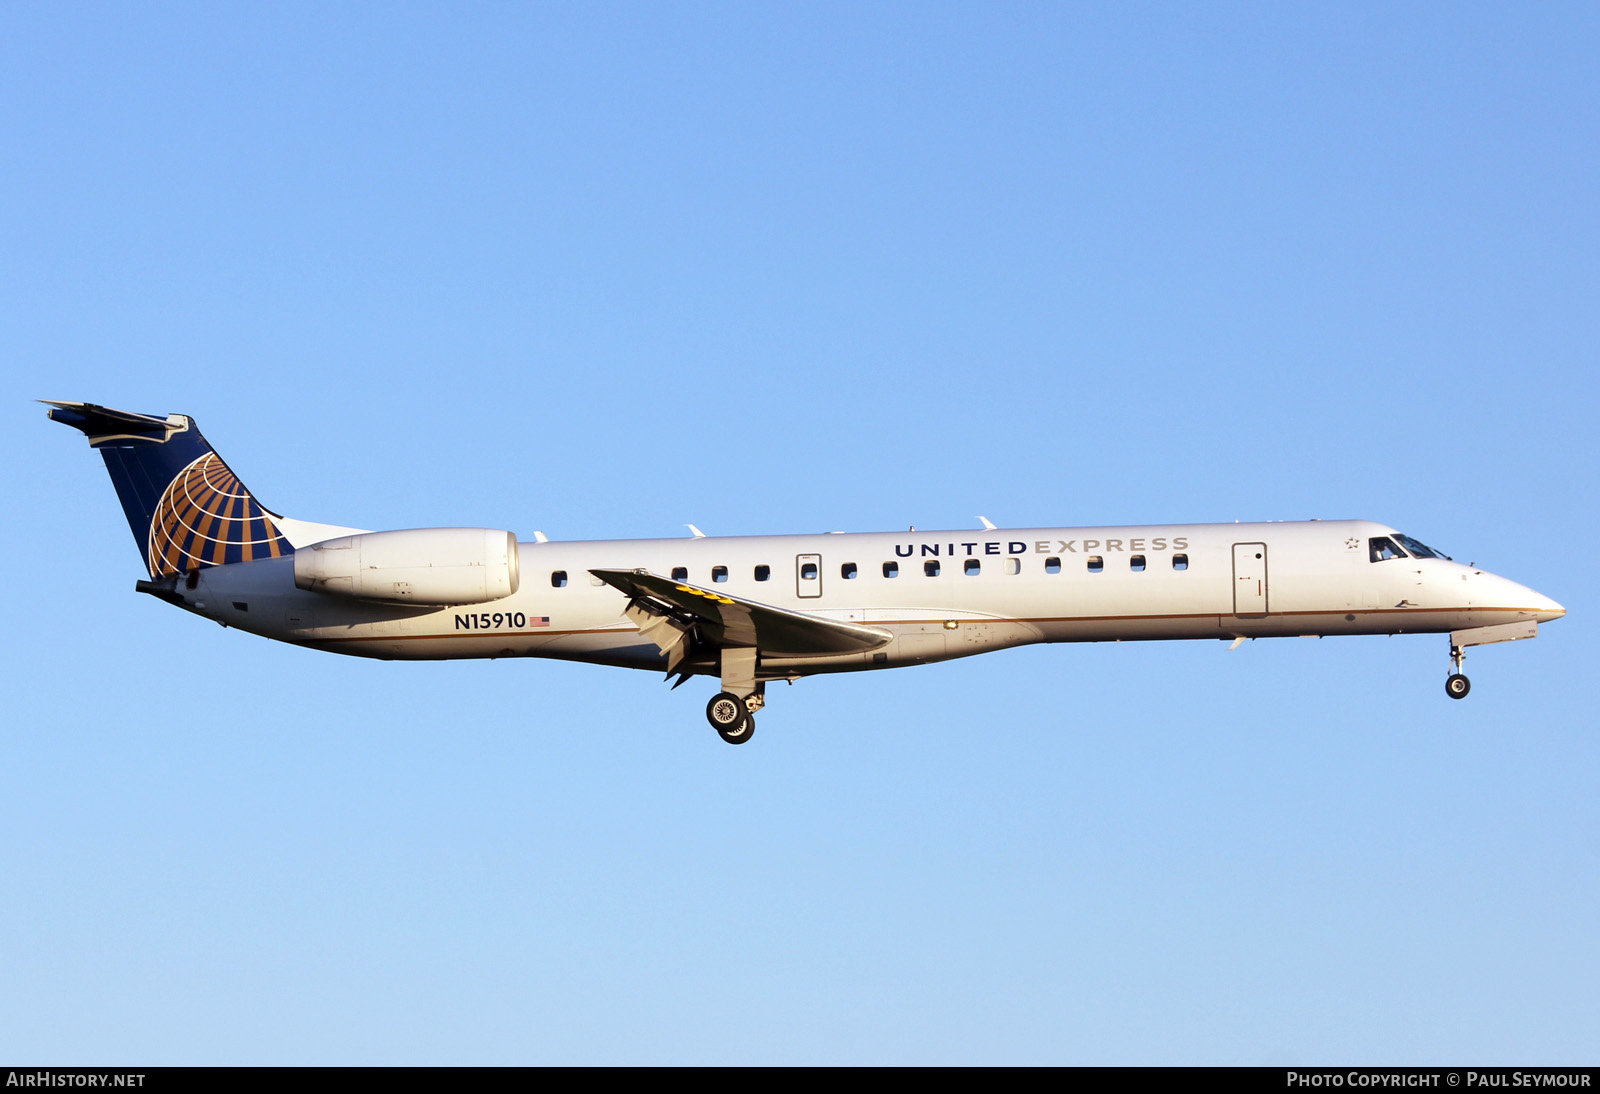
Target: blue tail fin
column 186, row 508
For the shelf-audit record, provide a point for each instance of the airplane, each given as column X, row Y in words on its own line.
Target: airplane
column 751, row 610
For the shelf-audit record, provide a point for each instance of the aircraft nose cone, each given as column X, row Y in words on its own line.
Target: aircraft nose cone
column 1546, row 608
column 1541, row 607
column 1507, row 595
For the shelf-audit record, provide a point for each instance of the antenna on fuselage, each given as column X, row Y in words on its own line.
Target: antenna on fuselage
column 698, row 534
column 986, row 523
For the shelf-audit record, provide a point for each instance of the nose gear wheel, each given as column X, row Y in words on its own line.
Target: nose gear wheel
column 1456, row 685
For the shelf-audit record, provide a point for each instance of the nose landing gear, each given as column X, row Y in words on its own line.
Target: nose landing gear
column 1456, row 685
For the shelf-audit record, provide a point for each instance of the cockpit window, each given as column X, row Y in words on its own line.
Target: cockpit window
column 1382, row 548
column 1417, row 549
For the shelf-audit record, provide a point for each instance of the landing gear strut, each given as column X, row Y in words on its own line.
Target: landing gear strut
column 1456, row 685
column 731, row 718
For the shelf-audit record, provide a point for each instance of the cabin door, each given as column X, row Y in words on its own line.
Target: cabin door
column 1249, row 579
column 808, row 575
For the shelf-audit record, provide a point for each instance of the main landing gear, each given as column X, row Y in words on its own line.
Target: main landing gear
column 731, row 717
column 1456, row 685
column 732, row 711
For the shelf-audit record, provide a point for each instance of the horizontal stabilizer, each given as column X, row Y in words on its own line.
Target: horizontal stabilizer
column 721, row 620
column 100, row 422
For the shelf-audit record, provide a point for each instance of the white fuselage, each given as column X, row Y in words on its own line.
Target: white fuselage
column 992, row 589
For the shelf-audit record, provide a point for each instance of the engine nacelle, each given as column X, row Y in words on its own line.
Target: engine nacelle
column 415, row 566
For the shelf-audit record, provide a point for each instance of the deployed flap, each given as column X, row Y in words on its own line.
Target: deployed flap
column 722, row 620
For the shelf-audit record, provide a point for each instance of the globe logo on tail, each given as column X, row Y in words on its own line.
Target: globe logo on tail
column 206, row 518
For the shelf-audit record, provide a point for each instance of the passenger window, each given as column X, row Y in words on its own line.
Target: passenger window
column 1136, row 563
column 1013, row 565
column 559, row 579
column 1052, row 565
column 763, row 573
column 680, row 573
column 808, row 571
column 1382, row 549
column 848, row 570
column 891, row 569
column 1180, row 562
column 1096, row 564
column 719, row 573
column 971, row 567
column 930, row 568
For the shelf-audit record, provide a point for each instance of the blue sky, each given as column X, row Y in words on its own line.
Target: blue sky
column 601, row 270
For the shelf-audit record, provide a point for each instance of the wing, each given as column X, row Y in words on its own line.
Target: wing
column 667, row 611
